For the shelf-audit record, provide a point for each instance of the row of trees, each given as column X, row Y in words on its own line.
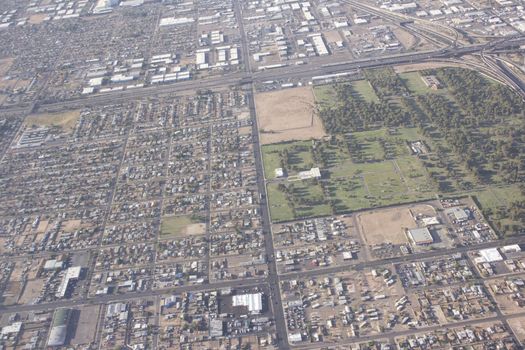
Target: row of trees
column 487, row 101
column 386, row 82
column 353, row 113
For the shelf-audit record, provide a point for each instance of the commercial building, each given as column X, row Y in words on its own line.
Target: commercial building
column 459, row 214
column 59, row 327
column 420, row 236
column 251, row 301
column 314, row 173
column 72, row 274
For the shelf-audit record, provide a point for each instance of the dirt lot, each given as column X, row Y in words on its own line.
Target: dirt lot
column 422, row 66
column 31, row 291
column 518, row 326
column 65, row 120
column 71, row 225
column 87, row 325
column 332, row 36
column 5, row 64
column 405, row 38
column 287, row 115
column 387, row 225
column 37, row 18
column 195, row 229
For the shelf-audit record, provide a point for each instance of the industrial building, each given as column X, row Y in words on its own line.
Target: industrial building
column 59, row 327
column 253, row 302
column 72, row 274
column 314, row 173
column 420, row 236
column 458, row 214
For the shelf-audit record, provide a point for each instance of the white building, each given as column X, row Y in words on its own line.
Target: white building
column 72, row 274
column 252, row 301
column 314, row 173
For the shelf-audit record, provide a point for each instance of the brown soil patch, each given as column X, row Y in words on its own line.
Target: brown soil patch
column 386, row 225
column 65, row 120
column 422, row 66
column 332, row 36
column 37, row 18
column 31, row 291
column 287, row 115
column 71, row 225
column 405, row 38
column 5, row 64
column 195, row 229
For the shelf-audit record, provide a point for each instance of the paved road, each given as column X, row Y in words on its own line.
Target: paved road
column 104, row 299
column 408, row 332
column 400, row 259
column 322, row 66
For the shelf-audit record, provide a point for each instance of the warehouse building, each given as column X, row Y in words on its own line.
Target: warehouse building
column 420, row 236
column 251, row 301
column 59, row 327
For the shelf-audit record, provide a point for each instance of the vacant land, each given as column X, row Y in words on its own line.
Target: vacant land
column 31, row 291
column 66, row 120
column 87, row 325
column 406, row 39
column 422, row 66
column 180, row 226
column 287, row 115
column 518, row 326
column 37, row 18
column 5, row 64
column 387, row 225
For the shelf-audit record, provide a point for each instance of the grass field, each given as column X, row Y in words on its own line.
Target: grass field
column 280, row 209
column 363, row 88
column 308, row 201
column 299, row 157
column 351, row 184
column 325, row 94
column 367, row 185
column 180, row 226
column 498, row 198
column 376, row 167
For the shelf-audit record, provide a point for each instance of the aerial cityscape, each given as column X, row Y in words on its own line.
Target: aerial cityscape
column 262, row 174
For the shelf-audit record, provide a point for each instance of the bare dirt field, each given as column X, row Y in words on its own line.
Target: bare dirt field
column 37, row 18
column 5, row 64
column 518, row 326
column 405, row 38
column 87, row 325
column 245, row 130
column 31, row 291
column 423, row 209
column 287, row 115
column 195, row 229
column 71, row 225
column 422, row 66
column 386, row 225
column 12, row 292
column 8, row 83
column 332, row 36
column 66, row 120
